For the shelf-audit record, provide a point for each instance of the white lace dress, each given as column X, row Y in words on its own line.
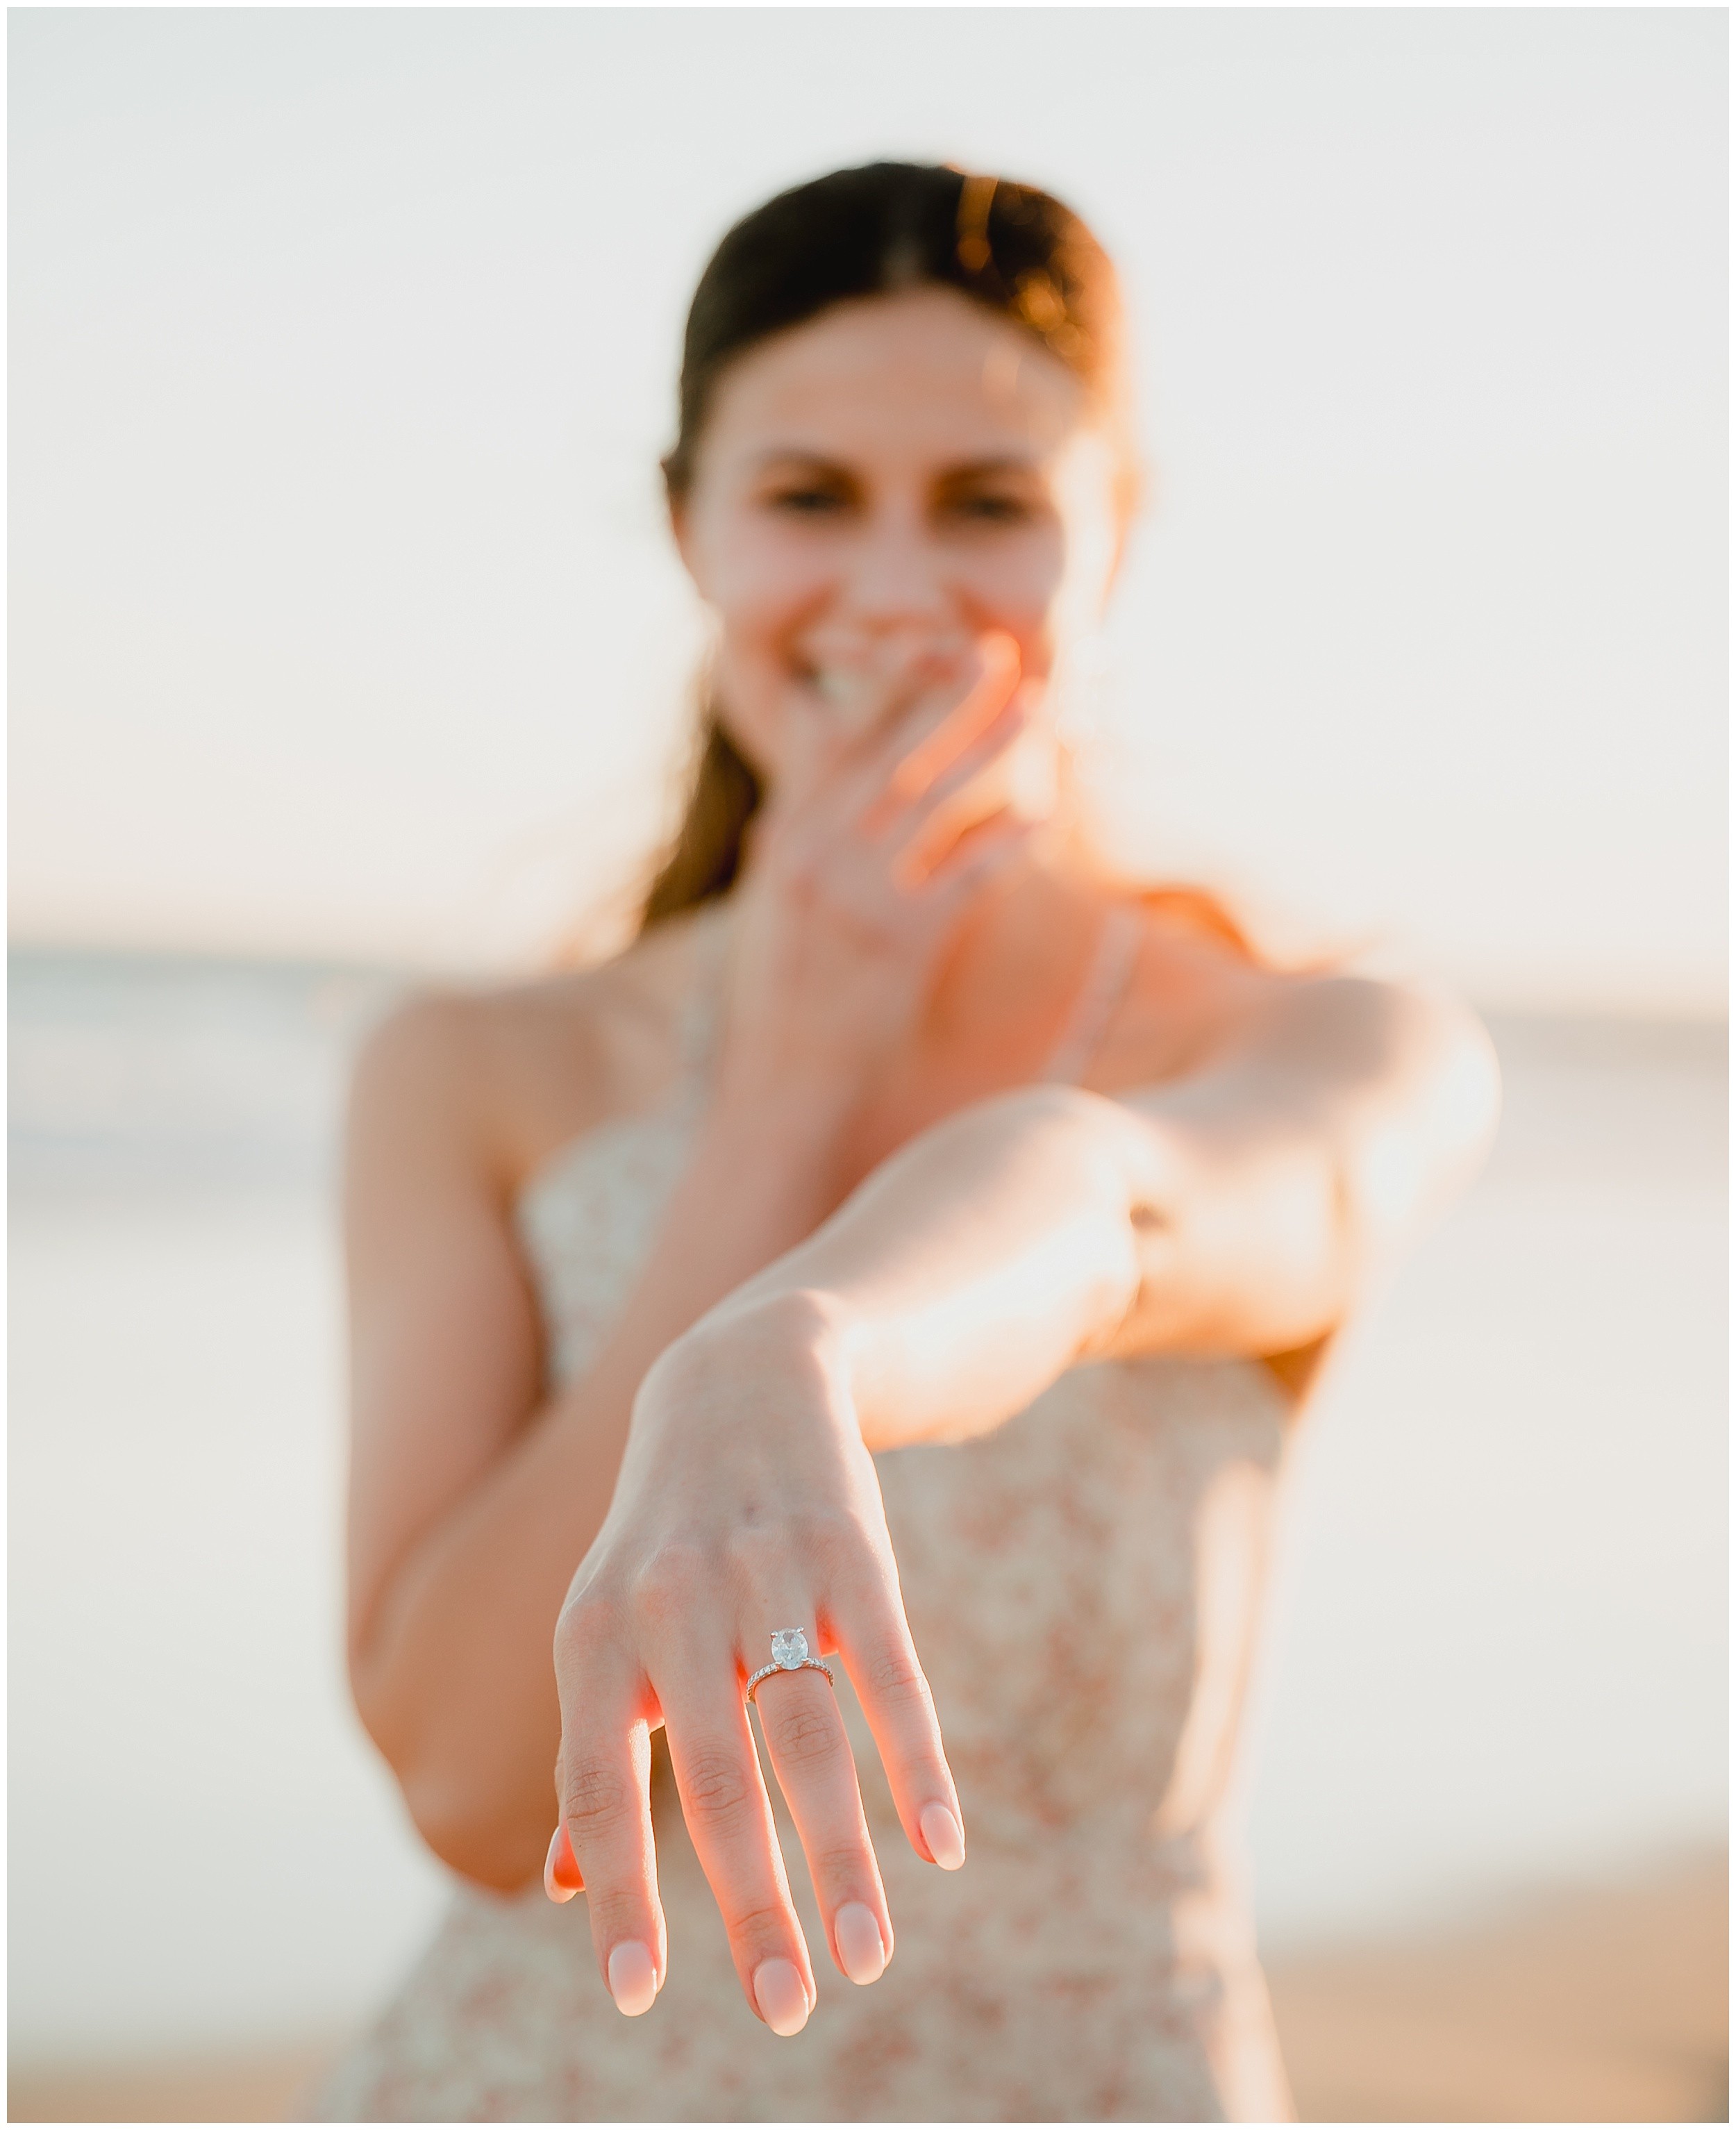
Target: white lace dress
column 1083, row 1587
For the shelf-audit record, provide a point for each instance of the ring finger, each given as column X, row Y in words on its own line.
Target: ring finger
column 729, row 1821
column 809, row 1747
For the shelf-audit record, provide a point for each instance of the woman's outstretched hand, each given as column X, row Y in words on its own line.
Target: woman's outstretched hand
column 895, row 809
column 747, row 1502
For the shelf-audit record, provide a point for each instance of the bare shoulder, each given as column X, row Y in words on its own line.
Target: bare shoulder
column 1196, row 1002
column 1400, row 1077
column 501, row 1075
column 1409, row 1043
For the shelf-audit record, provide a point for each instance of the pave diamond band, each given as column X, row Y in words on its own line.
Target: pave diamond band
column 789, row 1653
column 765, row 1671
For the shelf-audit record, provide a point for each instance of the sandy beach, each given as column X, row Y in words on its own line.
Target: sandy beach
column 1598, row 2004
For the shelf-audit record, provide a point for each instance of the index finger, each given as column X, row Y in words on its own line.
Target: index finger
column 842, row 720
column 966, row 721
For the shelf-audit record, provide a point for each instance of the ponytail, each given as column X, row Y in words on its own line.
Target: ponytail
column 706, row 855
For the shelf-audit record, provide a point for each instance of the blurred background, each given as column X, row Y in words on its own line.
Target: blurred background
column 348, row 645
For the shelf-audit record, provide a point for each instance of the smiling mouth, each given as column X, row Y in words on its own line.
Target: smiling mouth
column 838, row 686
column 861, row 676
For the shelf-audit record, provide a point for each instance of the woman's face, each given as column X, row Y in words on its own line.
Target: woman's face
column 899, row 476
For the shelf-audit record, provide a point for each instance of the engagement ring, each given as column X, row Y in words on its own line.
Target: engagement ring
column 789, row 1653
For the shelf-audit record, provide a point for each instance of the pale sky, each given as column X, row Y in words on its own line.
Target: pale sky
column 343, row 620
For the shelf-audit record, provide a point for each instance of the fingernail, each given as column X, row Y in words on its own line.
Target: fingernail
column 632, row 1978
column 861, row 1950
column 550, row 1884
column 781, row 1996
column 940, row 1831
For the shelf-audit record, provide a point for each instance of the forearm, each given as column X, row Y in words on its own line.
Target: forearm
column 1240, row 1210
column 973, row 1267
column 452, row 1668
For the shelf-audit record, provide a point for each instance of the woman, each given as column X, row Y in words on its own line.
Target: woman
column 881, row 1292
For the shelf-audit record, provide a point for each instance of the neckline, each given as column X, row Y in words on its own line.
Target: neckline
column 695, row 1038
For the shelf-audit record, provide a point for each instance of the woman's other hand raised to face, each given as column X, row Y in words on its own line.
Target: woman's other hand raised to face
column 885, row 827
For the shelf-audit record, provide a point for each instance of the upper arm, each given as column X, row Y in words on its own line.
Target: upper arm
column 1331, row 1119
column 444, row 1343
column 1399, row 1084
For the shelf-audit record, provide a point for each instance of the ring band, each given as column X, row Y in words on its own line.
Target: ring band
column 789, row 1653
column 808, row 1663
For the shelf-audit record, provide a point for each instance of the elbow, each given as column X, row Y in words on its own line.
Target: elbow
column 1404, row 1172
column 469, row 1816
column 471, row 1836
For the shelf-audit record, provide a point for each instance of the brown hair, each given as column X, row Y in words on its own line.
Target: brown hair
column 852, row 234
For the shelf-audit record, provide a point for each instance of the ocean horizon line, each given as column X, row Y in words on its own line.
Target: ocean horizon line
column 1498, row 1005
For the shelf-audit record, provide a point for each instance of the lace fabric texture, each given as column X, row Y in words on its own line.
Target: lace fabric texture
column 1083, row 1590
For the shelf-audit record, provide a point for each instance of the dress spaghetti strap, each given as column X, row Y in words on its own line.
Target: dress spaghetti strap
column 1112, row 966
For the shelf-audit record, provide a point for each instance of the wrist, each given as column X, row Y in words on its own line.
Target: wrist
column 770, row 1320
column 758, row 1337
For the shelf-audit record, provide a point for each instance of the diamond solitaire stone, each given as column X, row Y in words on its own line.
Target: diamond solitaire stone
column 789, row 1653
